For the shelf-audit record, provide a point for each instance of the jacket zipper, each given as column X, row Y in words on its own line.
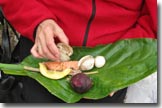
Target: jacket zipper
column 89, row 23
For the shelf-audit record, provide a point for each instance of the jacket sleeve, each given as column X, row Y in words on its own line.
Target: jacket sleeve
column 25, row 15
column 146, row 25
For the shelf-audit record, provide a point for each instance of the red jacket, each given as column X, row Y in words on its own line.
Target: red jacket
column 86, row 22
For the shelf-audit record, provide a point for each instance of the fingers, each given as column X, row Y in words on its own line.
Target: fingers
column 35, row 52
column 45, row 51
column 45, row 46
column 50, row 43
column 61, row 35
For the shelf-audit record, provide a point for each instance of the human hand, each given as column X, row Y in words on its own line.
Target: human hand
column 44, row 46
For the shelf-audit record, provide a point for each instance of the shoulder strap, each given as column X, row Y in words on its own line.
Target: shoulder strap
column 5, row 45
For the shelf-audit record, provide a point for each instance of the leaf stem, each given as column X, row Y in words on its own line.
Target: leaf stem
column 37, row 70
column 11, row 66
column 31, row 69
column 88, row 73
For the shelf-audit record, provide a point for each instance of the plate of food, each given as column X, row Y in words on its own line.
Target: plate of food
column 91, row 72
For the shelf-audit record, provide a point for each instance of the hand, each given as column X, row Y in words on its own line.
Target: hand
column 44, row 46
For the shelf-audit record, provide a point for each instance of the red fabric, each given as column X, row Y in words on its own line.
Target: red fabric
column 114, row 19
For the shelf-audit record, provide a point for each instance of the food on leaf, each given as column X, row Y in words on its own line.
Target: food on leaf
column 99, row 61
column 52, row 74
column 64, row 57
column 86, row 62
column 59, row 66
column 81, row 83
column 65, row 51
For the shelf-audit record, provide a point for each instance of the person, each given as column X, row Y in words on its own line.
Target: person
column 43, row 23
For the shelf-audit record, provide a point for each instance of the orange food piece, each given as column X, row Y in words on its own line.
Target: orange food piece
column 59, row 66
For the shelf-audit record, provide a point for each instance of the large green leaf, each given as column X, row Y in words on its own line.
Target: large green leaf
column 128, row 61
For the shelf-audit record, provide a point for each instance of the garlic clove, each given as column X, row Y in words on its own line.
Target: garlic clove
column 86, row 62
column 100, row 61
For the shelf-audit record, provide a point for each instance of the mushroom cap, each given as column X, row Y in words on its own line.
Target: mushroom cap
column 65, row 48
column 64, row 57
column 86, row 62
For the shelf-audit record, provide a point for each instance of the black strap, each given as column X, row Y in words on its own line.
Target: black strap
column 1, row 17
column 5, row 46
column 5, row 51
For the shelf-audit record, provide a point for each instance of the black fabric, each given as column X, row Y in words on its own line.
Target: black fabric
column 5, row 87
column 10, row 90
column 33, row 92
column 10, row 87
column 5, row 55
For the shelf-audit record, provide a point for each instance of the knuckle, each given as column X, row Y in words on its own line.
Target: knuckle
column 38, row 36
column 58, row 31
column 31, row 51
column 48, row 28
